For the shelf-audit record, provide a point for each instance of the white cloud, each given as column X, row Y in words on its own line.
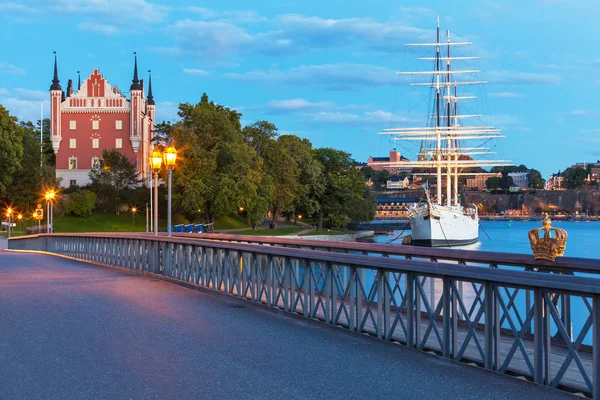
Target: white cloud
column 506, row 95
column 194, row 71
column 10, row 69
column 331, row 76
column 522, row 78
column 375, row 119
column 299, row 104
column 16, row 8
column 167, row 111
column 99, row 28
column 24, row 103
column 236, row 16
column 124, row 11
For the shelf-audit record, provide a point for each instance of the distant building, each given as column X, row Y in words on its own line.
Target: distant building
column 520, row 179
column 554, row 182
column 95, row 117
column 380, row 163
column 595, row 174
column 479, row 181
column 398, row 182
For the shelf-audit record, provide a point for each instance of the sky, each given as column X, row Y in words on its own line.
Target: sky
column 325, row 70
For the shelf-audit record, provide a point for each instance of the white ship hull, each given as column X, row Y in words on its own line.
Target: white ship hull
column 443, row 226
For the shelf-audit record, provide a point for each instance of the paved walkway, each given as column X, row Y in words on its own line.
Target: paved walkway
column 71, row 330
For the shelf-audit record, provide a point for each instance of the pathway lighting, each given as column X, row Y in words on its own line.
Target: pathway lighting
column 156, row 162
column 133, row 211
column 170, row 157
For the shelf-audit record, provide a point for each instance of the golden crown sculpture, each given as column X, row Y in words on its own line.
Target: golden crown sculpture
column 547, row 242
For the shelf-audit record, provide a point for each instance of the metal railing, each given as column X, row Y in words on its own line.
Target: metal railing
column 476, row 315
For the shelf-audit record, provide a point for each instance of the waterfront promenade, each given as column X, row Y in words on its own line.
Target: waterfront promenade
column 77, row 330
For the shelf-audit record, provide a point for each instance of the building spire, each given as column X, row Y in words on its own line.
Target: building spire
column 135, row 83
column 78, row 81
column 55, row 81
column 150, row 97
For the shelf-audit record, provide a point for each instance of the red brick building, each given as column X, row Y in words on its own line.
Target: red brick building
column 96, row 117
column 380, row 163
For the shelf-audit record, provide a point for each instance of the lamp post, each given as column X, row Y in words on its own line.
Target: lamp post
column 8, row 215
column 156, row 162
column 133, row 211
column 20, row 218
column 170, row 158
column 49, row 196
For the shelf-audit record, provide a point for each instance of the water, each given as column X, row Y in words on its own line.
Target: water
column 511, row 237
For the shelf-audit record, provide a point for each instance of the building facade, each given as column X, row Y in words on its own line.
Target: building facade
column 382, row 163
column 520, row 179
column 479, row 181
column 95, row 117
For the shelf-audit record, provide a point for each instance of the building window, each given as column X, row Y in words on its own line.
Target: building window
column 118, row 124
column 72, row 125
column 95, row 162
column 95, row 125
column 72, row 143
column 73, row 163
column 119, row 143
column 95, row 143
column 72, row 182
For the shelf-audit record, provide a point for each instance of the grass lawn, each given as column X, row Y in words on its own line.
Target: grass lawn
column 326, row 232
column 290, row 230
column 235, row 222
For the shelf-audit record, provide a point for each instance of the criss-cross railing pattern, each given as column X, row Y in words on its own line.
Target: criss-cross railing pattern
column 508, row 321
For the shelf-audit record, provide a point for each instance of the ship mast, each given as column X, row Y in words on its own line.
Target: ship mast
column 446, row 156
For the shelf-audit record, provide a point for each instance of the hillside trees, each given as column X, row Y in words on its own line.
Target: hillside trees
column 11, row 149
column 114, row 176
column 574, row 178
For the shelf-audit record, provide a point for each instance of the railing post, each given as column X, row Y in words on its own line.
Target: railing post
column 547, row 343
column 446, row 317
column 538, row 346
column 380, row 331
column 489, row 324
column 353, row 299
column 410, row 309
column 596, row 345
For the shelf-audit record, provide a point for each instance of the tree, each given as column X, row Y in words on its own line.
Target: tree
column 378, row 178
column 506, row 181
column 214, row 174
column 80, row 203
column 535, row 180
column 493, row 183
column 11, row 149
column 574, row 178
column 114, row 177
column 344, row 196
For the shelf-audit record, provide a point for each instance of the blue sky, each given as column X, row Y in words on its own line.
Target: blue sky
column 324, row 70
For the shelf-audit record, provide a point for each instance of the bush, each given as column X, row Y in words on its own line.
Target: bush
column 81, row 203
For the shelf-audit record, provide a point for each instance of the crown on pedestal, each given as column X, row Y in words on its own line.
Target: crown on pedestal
column 547, row 242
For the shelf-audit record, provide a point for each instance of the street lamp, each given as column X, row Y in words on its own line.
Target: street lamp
column 49, row 196
column 155, row 164
column 9, row 211
column 133, row 211
column 20, row 218
column 170, row 158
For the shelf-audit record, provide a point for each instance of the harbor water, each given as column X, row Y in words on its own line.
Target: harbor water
column 512, row 237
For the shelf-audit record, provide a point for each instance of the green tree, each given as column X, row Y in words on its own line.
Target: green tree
column 11, row 149
column 80, row 203
column 114, row 178
column 214, row 173
column 535, row 180
column 344, row 196
column 574, row 178
column 493, row 183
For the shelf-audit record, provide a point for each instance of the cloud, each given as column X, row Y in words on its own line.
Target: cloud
column 10, row 69
column 100, row 28
column 375, row 119
column 167, row 111
column 194, row 71
column 299, row 104
column 576, row 113
column 330, row 76
column 16, row 8
column 522, row 78
column 507, row 95
column 220, row 36
column 124, row 11
column 24, row 103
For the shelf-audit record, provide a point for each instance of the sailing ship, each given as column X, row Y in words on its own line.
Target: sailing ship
column 449, row 148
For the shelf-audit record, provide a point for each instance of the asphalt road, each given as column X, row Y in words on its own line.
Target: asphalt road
column 71, row 330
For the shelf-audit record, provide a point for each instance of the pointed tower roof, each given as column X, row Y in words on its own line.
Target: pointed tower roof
column 150, row 97
column 55, row 81
column 78, row 81
column 422, row 151
column 135, row 83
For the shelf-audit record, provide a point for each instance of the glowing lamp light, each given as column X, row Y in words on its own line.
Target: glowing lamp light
column 156, row 161
column 134, row 210
column 170, row 156
column 20, row 217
